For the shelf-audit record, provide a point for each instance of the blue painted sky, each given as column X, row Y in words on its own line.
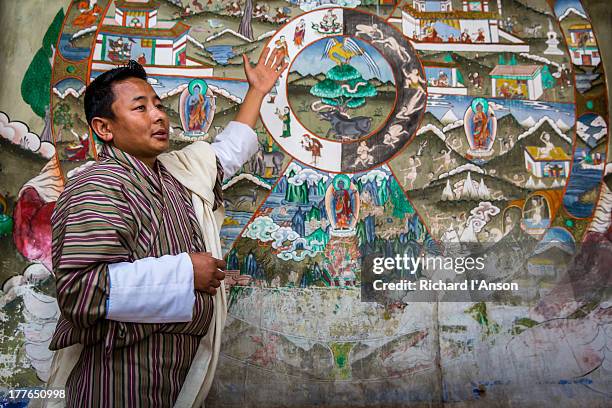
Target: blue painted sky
column 309, row 61
column 438, row 105
column 562, row 5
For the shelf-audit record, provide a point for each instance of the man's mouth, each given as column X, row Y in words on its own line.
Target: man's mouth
column 160, row 135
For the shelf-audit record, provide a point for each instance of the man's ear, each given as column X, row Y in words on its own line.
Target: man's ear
column 101, row 127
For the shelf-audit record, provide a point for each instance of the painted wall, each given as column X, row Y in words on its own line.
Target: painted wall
column 415, row 175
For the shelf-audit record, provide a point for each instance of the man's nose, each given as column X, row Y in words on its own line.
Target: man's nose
column 159, row 115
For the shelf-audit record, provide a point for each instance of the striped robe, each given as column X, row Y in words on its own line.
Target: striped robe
column 121, row 210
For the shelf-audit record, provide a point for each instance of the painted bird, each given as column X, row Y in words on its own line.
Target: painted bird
column 343, row 52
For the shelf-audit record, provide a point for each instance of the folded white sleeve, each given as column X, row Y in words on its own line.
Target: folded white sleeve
column 235, row 146
column 152, row 290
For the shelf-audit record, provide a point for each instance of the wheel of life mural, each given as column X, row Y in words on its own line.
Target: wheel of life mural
column 354, row 93
column 411, row 128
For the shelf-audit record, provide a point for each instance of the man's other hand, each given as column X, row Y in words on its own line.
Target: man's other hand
column 207, row 272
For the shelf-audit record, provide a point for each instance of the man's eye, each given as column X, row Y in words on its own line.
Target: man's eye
column 161, row 107
column 140, row 108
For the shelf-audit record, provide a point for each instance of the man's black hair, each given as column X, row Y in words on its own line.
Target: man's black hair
column 99, row 93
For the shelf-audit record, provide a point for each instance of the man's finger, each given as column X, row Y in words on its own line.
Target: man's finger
column 212, row 291
column 215, row 283
column 219, row 274
column 281, row 67
column 279, row 71
column 273, row 58
column 221, row 263
column 278, row 63
column 264, row 55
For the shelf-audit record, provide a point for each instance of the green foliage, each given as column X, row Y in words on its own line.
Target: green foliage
column 344, row 86
column 355, row 102
column 331, row 102
column 326, row 89
column 53, row 32
column 401, row 205
column 343, row 72
column 36, row 83
column 62, row 117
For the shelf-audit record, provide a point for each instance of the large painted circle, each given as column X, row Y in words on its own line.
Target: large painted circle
column 350, row 146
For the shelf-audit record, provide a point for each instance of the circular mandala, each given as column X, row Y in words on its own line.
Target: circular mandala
column 354, row 93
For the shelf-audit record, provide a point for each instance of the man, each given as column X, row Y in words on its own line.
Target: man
column 132, row 242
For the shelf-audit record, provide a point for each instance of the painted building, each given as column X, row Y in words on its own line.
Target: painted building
column 444, row 78
column 433, row 5
column 434, row 25
column 138, row 14
column 582, row 45
column 517, row 81
column 134, row 32
column 555, row 164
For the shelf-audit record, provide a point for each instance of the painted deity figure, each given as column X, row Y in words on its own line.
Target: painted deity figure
column 480, row 125
column 343, row 208
column 198, row 107
column 481, row 130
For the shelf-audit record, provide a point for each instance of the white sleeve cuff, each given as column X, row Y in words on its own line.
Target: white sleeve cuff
column 235, row 146
column 152, row 290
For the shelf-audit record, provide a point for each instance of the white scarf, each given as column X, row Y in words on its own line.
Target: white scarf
column 195, row 167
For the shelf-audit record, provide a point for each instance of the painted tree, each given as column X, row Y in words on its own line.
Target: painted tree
column 343, row 88
column 37, row 79
column 62, row 118
column 246, row 26
column 401, row 205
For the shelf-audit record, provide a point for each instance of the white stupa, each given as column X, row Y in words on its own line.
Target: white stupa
column 552, row 42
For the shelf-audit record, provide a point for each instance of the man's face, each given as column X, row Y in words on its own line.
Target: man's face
column 140, row 126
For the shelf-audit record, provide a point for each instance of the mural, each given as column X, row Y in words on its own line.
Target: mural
column 399, row 128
